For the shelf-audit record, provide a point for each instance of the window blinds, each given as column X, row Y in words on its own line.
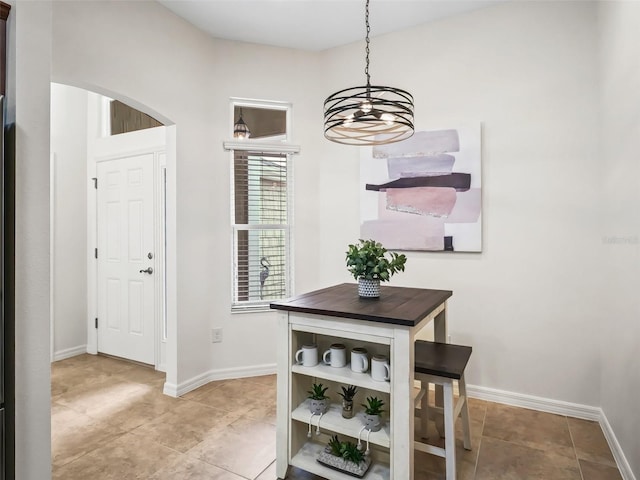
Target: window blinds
column 261, row 229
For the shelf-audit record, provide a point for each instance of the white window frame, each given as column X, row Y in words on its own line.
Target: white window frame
column 276, row 145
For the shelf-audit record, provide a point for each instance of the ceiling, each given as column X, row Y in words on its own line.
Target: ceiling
column 312, row 25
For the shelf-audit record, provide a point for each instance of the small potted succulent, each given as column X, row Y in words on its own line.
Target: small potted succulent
column 373, row 413
column 345, row 456
column 369, row 264
column 318, row 403
column 347, row 400
column 334, row 447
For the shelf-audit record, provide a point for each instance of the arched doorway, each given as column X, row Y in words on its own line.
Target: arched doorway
column 79, row 131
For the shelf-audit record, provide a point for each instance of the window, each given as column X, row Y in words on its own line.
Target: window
column 125, row 119
column 261, row 206
column 117, row 117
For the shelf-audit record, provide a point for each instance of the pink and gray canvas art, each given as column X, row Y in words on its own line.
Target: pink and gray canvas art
column 424, row 193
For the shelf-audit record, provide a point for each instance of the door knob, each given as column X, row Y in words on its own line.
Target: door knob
column 147, row 270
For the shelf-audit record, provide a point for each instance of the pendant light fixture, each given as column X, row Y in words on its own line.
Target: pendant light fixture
column 368, row 115
column 240, row 129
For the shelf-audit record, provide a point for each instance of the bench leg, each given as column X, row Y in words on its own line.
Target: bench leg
column 462, row 387
column 440, row 334
column 424, row 410
column 449, row 431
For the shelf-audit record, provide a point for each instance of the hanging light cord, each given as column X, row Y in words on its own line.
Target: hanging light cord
column 366, row 17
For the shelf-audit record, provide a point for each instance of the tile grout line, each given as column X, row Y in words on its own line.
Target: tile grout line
column 186, row 454
column 246, row 413
column 475, row 466
column 484, row 419
column 573, row 444
column 100, row 445
column 223, row 468
column 265, row 469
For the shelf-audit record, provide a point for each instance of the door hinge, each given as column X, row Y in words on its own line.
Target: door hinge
column 95, row 252
column 96, row 322
column 95, row 182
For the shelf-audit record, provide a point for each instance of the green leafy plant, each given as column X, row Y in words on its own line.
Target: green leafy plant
column 373, row 406
column 348, row 393
column 336, row 446
column 351, row 453
column 317, row 392
column 368, row 259
column 346, row 450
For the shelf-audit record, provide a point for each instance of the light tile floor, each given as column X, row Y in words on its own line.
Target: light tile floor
column 110, row 420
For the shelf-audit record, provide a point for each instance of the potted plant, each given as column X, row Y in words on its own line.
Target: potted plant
column 347, row 400
column 345, row 456
column 318, row 398
column 369, row 264
column 373, row 413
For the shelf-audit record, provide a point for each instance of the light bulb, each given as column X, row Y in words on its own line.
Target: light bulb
column 348, row 120
column 365, row 106
column 387, row 118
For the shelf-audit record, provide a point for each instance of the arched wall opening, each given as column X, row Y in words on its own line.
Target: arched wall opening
column 76, row 144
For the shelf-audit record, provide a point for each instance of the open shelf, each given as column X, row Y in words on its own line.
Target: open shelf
column 306, row 457
column 333, row 421
column 343, row 375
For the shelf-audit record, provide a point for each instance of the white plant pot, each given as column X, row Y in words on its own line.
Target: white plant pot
column 368, row 288
column 372, row 422
column 317, row 406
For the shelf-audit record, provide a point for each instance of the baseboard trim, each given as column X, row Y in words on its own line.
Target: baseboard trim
column 616, row 449
column 170, row 389
column 174, row 390
column 531, row 402
column 559, row 407
column 69, row 352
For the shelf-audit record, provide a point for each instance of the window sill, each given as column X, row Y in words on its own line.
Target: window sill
column 251, row 309
column 257, row 146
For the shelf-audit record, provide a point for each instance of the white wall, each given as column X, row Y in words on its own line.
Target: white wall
column 69, row 147
column 29, row 87
column 528, row 72
column 620, row 235
column 187, row 78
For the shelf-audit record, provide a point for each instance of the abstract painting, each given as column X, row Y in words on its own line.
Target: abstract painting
column 424, row 193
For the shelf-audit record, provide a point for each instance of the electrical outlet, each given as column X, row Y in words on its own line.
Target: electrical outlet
column 216, row 335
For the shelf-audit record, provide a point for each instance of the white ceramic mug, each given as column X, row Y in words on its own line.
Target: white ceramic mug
column 307, row 356
column 380, row 370
column 359, row 360
column 336, row 356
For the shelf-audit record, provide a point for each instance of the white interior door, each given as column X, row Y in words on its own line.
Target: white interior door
column 125, row 251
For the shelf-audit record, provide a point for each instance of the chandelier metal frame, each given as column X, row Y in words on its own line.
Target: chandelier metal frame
column 370, row 114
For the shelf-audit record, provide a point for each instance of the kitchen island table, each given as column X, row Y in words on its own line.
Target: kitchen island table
column 385, row 326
